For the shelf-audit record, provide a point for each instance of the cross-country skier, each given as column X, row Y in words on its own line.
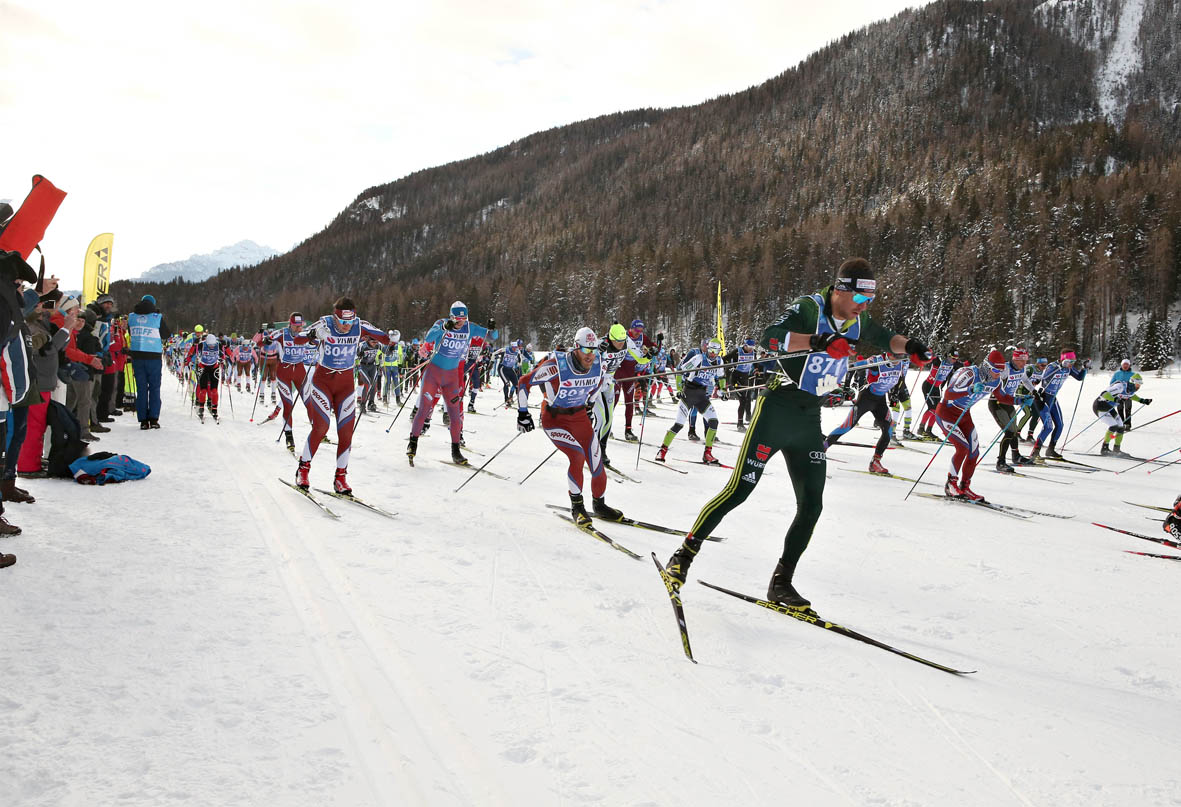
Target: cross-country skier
column 1108, row 407
column 206, row 356
column 569, row 382
column 444, row 348
column 292, row 374
column 1052, row 380
column 967, row 386
column 1172, row 523
column 367, row 368
column 883, row 373
column 739, row 378
column 331, row 391
column 392, row 358
column 612, row 351
column 941, row 370
column 899, row 400
column 1013, row 394
column 1125, row 405
column 695, row 381
column 638, row 353
column 510, row 366
column 818, row 329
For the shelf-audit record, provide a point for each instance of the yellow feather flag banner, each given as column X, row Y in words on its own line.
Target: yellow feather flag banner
column 721, row 337
column 96, row 271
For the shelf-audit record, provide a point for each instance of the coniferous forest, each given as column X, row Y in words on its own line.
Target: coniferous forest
column 972, row 151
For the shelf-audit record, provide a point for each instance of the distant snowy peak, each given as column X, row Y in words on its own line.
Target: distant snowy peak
column 1119, row 32
column 202, row 267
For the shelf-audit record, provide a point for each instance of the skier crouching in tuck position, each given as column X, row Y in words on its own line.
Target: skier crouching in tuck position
column 821, row 327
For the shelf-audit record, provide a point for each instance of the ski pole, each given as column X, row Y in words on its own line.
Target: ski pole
column 1002, row 431
column 1080, row 431
column 1100, row 440
column 257, row 391
column 230, row 398
column 476, row 472
column 535, row 470
column 1073, row 413
column 936, row 454
column 769, row 357
column 1152, row 459
column 640, row 444
column 405, row 397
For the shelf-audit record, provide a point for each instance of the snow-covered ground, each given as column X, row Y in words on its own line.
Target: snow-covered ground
column 208, row 637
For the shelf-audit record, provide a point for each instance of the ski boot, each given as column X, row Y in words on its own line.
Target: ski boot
column 1003, row 467
column 693, row 435
column 1019, row 460
column 677, row 567
column 578, row 510
column 969, row 494
column 301, row 474
column 201, row 412
column 1104, row 450
column 248, row 386
column 1036, row 457
column 372, row 406
column 1118, row 452
column 951, row 488
column 875, row 465
column 290, row 438
column 630, row 436
column 446, row 418
column 274, row 397
column 606, row 511
column 661, row 454
column 1028, row 438
column 1052, row 453
column 340, row 484
column 213, row 411
column 457, row 457
column 411, row 449
column 907, row 434
column 471, row 409
column 782, row 591
column 708, row 457
column 740, row 427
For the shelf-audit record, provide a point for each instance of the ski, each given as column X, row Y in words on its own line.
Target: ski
column 1004, row 511
column 309, row 497
column 858, row 445
column 1164, row 541
column 665, row 465
column 593, row 531
column 709, row 464
column 620, row 473
column 350, row 498
column 1074, row 463
column 674, row 596
column 1153, row 555
column 644, row 525
column 889, row 476
column 1150, row 507
column 473, row 468
column 271, row 416
column 1084, row 469
column 1031, row 476
column 812, row 618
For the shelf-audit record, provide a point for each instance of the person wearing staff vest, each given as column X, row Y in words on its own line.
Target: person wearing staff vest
column 148, row 332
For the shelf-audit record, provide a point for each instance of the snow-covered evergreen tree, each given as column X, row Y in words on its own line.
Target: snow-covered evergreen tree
column 1119, row 346
column 1156, row 348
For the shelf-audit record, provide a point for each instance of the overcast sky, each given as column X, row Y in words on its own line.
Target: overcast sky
column 184, row 127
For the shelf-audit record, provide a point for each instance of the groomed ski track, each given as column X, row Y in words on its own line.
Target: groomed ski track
column 207, row 637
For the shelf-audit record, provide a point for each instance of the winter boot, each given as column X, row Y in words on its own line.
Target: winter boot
column 340, row 484
column 6, row 560
column 143, row 426
column 411, row 449
column 951, row 488
column 875, row 465
column 301, row 474
column 14, row 494
column 154, row 423
column 8, row 529
column 661, row 454
column 693, row 435
column 578, row 510
column 677, row 567
column 708, row 457
column 100, row 428
column 606, row 511
column 969, row 494
column 630, row 436
column 290, row 438
column 457, row 457
column 782, row 591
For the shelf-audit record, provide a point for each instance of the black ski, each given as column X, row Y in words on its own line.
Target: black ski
column 309, row 497
column 1150, row 507
column 674, row 596
column 666, row 466
column 472, row 468
column 1153, row 555
column 812, row 618
column 620, row 473
column 348, row 497
column 1004, row 511
column 644, row 525
column 1164, row 541
column 1032, row 476
column 593, row 531
column 889, row 476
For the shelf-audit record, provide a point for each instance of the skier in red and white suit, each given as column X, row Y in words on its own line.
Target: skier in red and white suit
column 570, row 381
column 330, row 390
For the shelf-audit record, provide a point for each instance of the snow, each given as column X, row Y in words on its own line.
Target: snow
column 207, row 637
column 1122, row 61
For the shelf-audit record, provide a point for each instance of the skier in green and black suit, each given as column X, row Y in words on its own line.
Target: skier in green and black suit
column 787, row 415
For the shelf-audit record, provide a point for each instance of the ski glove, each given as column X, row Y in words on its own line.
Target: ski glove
column 491, row 324
column 833, row 344
column 724, row 394
column 1146, row 401
column 524, row 421
column 977, row 388
column 425, row 349
column 920, row 354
